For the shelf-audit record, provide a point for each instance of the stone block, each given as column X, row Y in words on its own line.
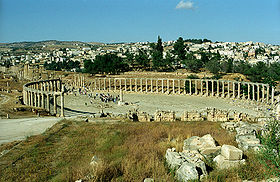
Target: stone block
column 210, row 150
column 223, row 163
column 231, row 153
column 173, row 158
column 187, row 172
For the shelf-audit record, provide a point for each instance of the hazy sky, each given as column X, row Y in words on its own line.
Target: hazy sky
column 139, row 20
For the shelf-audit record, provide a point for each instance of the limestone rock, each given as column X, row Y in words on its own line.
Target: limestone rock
column 247, row 142
column 198, row 143
column 223, row 163
column 168, row 116
column 173, row 158
column 231, row 153
column 94, row 161
column 210, row 150
column 148, row 180
column 187, row 172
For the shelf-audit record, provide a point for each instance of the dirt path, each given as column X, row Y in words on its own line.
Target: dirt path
column 19, row 129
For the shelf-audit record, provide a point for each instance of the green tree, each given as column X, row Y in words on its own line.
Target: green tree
column 213, row 66
column 142, row 59
column 179, row 49
column 192, row 63
column 227, row 66
column 157, row 55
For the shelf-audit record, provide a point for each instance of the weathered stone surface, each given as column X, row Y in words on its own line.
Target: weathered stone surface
column 247, row 142
column 144, row 117
column 231, row 153
column 223, row 163
column 148, row 180
column 186, row 172
column 228, row 126
column 196, row 159
column 198, row 143
column 168, row 116
column 173, row 158
column 94, row 161
column 209, row 150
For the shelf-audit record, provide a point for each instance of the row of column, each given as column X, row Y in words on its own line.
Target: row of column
column 36, row 96
column 218, row 88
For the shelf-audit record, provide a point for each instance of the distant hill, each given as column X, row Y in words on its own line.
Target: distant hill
column 27, row 44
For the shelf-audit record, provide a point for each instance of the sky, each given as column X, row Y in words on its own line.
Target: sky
column 112, row 21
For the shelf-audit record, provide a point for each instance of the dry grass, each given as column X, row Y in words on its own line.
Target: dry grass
column 128, row 151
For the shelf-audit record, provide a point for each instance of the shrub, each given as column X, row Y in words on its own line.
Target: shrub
column 269, row 153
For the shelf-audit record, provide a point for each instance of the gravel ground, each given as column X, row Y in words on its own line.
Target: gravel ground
column 150, row 103
column 19, row 129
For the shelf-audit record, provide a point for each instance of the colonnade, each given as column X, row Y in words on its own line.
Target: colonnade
column 39, row 94
column 201, row 87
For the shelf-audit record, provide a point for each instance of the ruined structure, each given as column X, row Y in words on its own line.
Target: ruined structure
column 199, row 87
column 41, row 93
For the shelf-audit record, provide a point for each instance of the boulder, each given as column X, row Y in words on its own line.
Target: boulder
column 94, row 161
column 148, row 180
column 223, row 163
column 210, row 150
column 173, row 158
column 195, row 159
column 231, row 153
column 199, row 143
column 247, row 142
column 186, row 172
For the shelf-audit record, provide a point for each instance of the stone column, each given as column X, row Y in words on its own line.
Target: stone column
column 48, row 103
column 233, row 87
column 62, row 103
column 151, row 85
column 238, row 94
column 179, row 86
column 141, row 84
column 120, row 80
column 248, row 91
column 54, row 104
column 55, row 85
column 196, row 87
column 267, row 93
column 35, row 99
column 109, row 84
column 162, row 86
column 218, row 88
column 95, row 85
column 104, row 84
column 258, row 92
column 39, row 100
column 125, row 85
column 99, row 83
column 201, row 87
column 263, row 92
column 228, row 83
column 115, row 84
column 146, row 85
column 207, row 87
column 253, row 87
column 130, row 84
column 190, row 86
column 136, row 85
column 223, row 89
column 43, row 101
column 272, row 95
column 31, row 99
column 212, row 88
column 167, row 82
column 157, row 85
column 173, row 87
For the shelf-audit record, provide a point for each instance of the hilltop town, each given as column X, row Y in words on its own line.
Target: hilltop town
column 55, row 51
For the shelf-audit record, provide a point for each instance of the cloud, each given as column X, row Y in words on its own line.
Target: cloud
column 185, row 5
